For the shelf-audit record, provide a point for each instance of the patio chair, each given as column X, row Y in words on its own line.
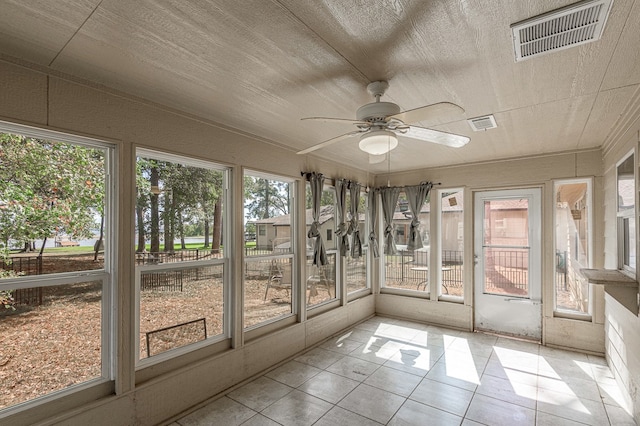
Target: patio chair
column 325, row 278
column 279, row 278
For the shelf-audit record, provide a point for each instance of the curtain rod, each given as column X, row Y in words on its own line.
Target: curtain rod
column 332, row 180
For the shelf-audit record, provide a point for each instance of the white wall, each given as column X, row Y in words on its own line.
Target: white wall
column 527, row 172
column 622, row 327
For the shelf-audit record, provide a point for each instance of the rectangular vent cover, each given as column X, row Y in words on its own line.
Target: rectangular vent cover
column 482, row 123
column 569, row 26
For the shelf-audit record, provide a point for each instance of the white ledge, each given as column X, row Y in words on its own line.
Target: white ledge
column 608, row 277
column 619, row 286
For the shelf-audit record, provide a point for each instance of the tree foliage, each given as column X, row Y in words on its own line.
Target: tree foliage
column 265, row 198
column 48, row 188
column 178, row 200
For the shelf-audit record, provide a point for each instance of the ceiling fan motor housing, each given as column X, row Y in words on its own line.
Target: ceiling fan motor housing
column 377, row 111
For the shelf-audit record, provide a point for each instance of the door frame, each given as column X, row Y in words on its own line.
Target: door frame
column 530, row 305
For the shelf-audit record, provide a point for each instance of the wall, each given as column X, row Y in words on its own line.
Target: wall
column 622, row 327
column 526, row 172
column 34, row 96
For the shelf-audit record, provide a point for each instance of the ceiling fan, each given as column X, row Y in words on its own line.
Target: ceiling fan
column 379, row 123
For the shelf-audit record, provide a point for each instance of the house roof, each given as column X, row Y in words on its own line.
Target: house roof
column 326, row 214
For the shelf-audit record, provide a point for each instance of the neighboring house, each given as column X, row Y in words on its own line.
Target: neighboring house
column 275, row 232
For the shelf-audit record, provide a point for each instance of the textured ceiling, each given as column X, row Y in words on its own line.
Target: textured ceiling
column 260, row 66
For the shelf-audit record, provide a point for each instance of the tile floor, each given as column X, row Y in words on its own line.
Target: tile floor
column 392, row 372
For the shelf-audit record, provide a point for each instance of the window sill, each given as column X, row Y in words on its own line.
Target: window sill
column 608, row 277
column 619, row 286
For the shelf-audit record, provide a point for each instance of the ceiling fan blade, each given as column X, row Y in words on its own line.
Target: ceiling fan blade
column 435, row 136
column 437, row 111
column 343, row 120
column 330, row 141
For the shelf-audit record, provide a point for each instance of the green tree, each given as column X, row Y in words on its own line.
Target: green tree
column 265, row 198
column 48, row 188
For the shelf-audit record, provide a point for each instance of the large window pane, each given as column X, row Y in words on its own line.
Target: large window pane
column 179, row 307
column 180, row 216
column 356, row 269
column 50, row 345
column 52, row 206
column 452, row 241
column 54, row 218
column 269, row 270
column 179, row 210
column 321, row 281
column 572, row 226
column 408, row 269
column 626, row 193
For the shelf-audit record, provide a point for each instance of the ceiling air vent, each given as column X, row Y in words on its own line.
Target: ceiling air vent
column 482, row 123
column 569, row 26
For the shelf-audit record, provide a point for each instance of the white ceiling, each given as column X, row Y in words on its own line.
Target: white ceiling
column 261, row 65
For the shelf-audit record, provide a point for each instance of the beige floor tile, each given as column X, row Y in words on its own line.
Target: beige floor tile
column 329, row 386
column 297, row 409
column 490, row 411
column 394, row 381
column 442, row 396
column 413, row 413
column 571, row 407
column 223, row 411
column 293, row 373
column 260, row 420
column 338, row 416
column 372, row 403
column 260, row 393
column 353, row 368
column 319, row 358
column 505, row 390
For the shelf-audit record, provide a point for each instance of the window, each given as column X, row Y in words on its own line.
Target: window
column 626, row 193
column 409, row 270
column 55, row 264
column 572, row 244
column 322, row 280
column 181, row 262
column 356, row 269
column 269, row 268
column 451, row 233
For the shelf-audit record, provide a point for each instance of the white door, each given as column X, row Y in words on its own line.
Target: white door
column 507, row 295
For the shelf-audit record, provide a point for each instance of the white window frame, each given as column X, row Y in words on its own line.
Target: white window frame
column 334, row 302
column 586, row 316
column 629, row 215
column 272, row 324
column 99, row 386
column 224, row 261
column 438, row 245
column 365, row 252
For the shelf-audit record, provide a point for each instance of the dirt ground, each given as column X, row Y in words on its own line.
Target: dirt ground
column 49, row 347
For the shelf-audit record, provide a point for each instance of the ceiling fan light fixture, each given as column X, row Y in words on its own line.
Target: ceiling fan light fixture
column 378, row 142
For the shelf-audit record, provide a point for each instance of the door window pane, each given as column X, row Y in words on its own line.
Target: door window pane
column 506, row 247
